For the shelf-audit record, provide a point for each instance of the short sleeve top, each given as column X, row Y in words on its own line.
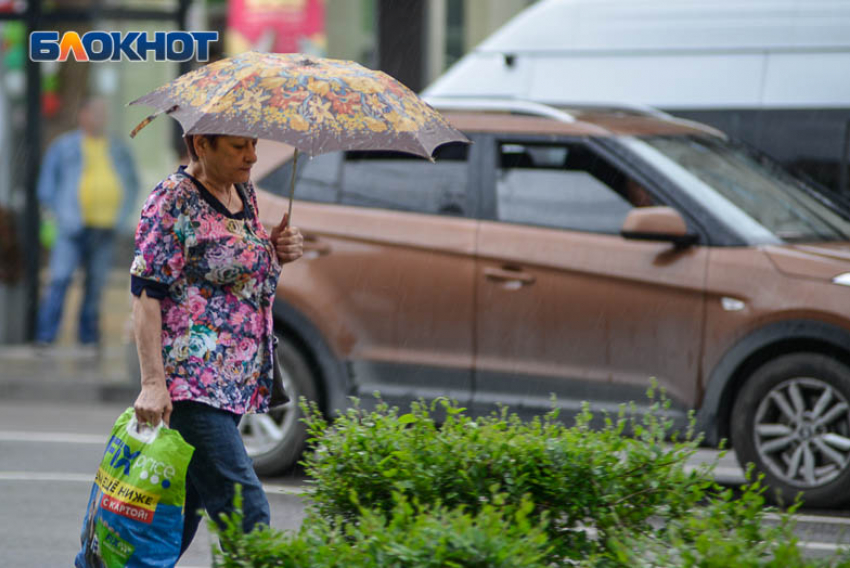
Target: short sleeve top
column 215, row 274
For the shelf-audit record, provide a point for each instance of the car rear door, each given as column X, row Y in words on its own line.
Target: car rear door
column 564, row 304
column 388, row 274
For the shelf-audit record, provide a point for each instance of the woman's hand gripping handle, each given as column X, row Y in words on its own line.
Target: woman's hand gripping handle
column 287, row 241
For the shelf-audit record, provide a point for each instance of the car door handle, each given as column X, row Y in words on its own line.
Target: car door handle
column 512, row 278
column 315, row 247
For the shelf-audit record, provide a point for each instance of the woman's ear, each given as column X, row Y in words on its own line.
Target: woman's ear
column 200, row 143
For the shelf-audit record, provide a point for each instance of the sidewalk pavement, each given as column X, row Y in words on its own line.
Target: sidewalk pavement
column 69, row 372
column 65, row 374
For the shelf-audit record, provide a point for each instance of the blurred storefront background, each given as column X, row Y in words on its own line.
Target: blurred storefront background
column 413, row 40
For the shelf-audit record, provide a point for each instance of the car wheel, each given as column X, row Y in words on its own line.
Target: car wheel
column 792, row 419
column 276, row 439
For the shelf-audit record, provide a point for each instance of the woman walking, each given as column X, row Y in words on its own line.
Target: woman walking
column 204, row 277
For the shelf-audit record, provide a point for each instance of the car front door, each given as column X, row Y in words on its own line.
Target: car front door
column 564, row 304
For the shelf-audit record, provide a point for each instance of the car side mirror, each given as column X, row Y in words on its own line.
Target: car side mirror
column 657, row 224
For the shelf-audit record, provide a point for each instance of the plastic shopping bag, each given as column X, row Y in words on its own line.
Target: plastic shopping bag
column 135, row 511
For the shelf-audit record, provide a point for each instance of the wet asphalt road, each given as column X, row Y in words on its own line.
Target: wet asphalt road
column 48, row 455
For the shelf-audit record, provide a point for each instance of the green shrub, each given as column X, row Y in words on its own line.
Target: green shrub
column 587, row 482
column 412, row 535
column 727, row 530
column 401, row 490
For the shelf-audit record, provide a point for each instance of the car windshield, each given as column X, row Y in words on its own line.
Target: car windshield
column 749, row 191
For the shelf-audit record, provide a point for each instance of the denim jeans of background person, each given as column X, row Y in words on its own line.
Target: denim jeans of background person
column 88, row 184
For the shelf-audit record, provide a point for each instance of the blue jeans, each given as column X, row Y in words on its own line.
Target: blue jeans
column 91, row 249
column 219, row 462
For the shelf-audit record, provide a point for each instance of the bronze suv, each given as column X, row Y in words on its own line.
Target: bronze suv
column 576, row 252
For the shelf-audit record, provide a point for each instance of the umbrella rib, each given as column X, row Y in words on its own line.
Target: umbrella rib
column 150, row 119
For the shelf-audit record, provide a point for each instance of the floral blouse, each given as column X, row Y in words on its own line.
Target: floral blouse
column 215, row 274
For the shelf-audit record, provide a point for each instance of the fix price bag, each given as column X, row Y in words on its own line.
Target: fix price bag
column 135, row 512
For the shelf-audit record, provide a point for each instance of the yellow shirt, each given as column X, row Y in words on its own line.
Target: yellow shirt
column 100, row 188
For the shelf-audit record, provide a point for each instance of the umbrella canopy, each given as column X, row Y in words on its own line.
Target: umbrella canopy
column 316, row 105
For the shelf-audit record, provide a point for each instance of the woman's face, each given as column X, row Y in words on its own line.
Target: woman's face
column 230, row 160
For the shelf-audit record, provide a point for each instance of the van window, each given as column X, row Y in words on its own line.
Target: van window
column 317, row 179
column 564, row 187
column 401, row 182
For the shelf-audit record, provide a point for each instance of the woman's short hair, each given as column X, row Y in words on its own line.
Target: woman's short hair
column 190, row 146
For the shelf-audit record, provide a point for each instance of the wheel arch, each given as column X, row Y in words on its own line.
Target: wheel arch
column 333, row 383
column 749, row 353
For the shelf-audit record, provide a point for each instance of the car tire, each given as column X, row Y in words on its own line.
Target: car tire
column 275, row 440
column 792, row 420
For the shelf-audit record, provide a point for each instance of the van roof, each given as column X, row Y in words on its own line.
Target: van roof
column 682, row 54
column 594, row 25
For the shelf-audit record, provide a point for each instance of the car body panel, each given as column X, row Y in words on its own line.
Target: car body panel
column 334, row 384
column 597, row 310
column 754, row 309
column 766, row 296
column 820, row 262
column 391, row 291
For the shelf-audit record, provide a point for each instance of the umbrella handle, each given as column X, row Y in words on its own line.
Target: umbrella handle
column 292, row 187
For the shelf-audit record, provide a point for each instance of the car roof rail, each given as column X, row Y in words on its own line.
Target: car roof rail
column 559, row 113
column 515, row 106
column 631, row 108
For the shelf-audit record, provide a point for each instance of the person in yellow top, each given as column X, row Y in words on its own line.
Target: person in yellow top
column 88, row 183
column 100, row 188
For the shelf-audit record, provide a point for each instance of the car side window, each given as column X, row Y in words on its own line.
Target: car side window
column 317, row 179
column 401, row 182
column 564, row 186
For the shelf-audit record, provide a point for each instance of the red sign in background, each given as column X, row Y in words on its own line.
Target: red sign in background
column 282, row 26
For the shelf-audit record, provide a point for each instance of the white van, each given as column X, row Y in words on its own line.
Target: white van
column 771, row 73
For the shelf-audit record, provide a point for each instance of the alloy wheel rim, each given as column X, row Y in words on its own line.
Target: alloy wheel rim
column 802, row 432
column 262, row 433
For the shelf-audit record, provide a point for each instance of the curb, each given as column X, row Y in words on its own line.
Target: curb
column 65, row 391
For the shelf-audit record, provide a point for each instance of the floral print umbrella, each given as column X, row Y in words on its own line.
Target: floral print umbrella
column 314, row 104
